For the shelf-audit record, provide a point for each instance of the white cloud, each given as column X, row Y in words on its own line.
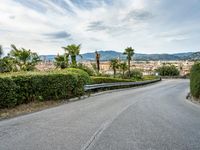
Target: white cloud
column 97, row 24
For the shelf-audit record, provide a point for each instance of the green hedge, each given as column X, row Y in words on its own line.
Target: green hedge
column 83, row 75
column 150, row 77
column 27, row 87
column 98, row 80
column 195, row 80
column 8, row 92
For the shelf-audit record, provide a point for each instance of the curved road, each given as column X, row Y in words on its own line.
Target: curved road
column 155, row 117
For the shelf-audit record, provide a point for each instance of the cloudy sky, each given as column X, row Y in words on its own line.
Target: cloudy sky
column 149, row 26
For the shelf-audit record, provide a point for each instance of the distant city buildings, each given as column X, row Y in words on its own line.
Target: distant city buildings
column 149, row 67
column 146, row 67
column 45, row 66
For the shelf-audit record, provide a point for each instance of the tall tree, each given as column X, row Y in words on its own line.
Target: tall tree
column 114, row 64
column 98, row 61
column 123, row 67
column 73, row 50
column 1, row 51
column 25, row 59
column 129, row 52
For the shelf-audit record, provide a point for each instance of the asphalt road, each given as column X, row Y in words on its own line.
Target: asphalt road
column 155, row 117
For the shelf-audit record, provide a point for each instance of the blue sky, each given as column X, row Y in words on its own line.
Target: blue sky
column 149, row 26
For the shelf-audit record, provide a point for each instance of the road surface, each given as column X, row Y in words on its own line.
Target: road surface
column 154, row 117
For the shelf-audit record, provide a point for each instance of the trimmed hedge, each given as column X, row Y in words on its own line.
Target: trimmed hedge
column 87, row 69
column 24, row 88
column 83, row 75
column 8, row 92
column 98, row 80
column 150, row 77
column 195, row 80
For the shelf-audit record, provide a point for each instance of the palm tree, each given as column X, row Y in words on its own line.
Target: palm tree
column 25, row 59
column 129, row 51
column 62, row 61
column 7, row 64
column 123, row 67
column 98, row 61
column 1, row 51
column 73, row 50
column 114, row 64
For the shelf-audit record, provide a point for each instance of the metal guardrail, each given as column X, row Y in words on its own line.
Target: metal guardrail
column 107, row 85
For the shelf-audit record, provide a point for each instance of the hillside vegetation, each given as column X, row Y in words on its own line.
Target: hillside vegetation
column 195, row 81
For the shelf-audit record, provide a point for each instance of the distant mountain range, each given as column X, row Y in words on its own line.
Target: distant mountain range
column 107, row 55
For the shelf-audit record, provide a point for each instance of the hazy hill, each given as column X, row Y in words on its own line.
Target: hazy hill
column 107, row 55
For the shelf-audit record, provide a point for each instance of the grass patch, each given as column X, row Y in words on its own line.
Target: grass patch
column 27, row 108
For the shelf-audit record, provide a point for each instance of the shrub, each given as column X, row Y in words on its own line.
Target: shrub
column 170, row 70
column 103, row 74
column 87, row 69
column 24, row 58
column 98, row 80
column 8, row 91
column 150, row 77
column 26, row 87
column 83, row 75
column 7, row 65
column 61, row 61
column 135, row 74
column 195, row 80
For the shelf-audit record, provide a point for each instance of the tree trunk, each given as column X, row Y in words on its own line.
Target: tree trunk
column 98, row 65
column 114, row 72
column 129, row 68
column 73, row 59
column 123, row 73
column 98, row 61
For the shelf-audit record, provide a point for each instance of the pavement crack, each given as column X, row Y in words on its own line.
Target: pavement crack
column 96, row 134
column 104, row 127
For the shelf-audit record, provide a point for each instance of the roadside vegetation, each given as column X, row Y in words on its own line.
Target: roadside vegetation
column 129, row 52
column 22, row 84
column 26, row 87
column 168, row 70
column 19, row 59
column 195, row 81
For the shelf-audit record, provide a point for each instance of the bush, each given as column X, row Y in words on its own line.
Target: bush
column 103, row 74
column 83, row 75
column 87, row 69
column 135, row 74
column 8, row 91
column 98, row 80
column 150, row 77
column 7, row 65
column 61, row 61
column 195, row 80
column 170, row 70
column 24, row 88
